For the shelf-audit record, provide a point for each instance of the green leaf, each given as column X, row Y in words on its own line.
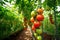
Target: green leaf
column 58, row 2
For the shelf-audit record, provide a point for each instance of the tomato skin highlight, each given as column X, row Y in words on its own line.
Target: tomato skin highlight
column 37, row 24
column 40, row 17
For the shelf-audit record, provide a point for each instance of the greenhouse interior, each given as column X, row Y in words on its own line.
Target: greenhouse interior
column 29, row 19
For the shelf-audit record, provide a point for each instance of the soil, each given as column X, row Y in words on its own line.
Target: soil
column 27, row 35
column 24, row 35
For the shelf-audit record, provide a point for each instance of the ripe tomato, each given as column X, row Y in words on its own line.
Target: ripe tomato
column 32, row 19
column 51, row 20
column 33, row 28
column 40, row 17
column 40, row 11
column 37, row 24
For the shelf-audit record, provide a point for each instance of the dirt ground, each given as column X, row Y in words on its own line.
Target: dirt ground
column 24, row 35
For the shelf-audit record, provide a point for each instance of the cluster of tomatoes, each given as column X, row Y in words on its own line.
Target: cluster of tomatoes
column 36, row 18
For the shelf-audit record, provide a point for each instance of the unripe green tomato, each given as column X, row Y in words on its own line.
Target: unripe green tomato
column 35, row 34
column 33, row 13
column 39, row 31
column 39, row 38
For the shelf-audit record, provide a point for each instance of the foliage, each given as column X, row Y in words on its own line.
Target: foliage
column 49, row 4
column 58, row 2
column 10, row 22
column 26, row 6
column 11, row 18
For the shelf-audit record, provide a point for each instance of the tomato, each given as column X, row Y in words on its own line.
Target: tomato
column 35, row 34
column 40, row 11
column 33, row 14
column 52, row 22
column 33, row 28
column 51, row 18
column 40, row 17
column 32, row 19
column 39, row 38
column 39, row 31
column 37, row 24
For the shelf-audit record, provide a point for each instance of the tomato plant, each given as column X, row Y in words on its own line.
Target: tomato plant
column 10, row 22
column 15, row 13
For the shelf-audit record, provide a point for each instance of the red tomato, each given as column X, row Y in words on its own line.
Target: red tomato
column 51, row 19
column 32, row 19
column 33, row 28
column 37, row 24
column 40, row 17
column 52, row 22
